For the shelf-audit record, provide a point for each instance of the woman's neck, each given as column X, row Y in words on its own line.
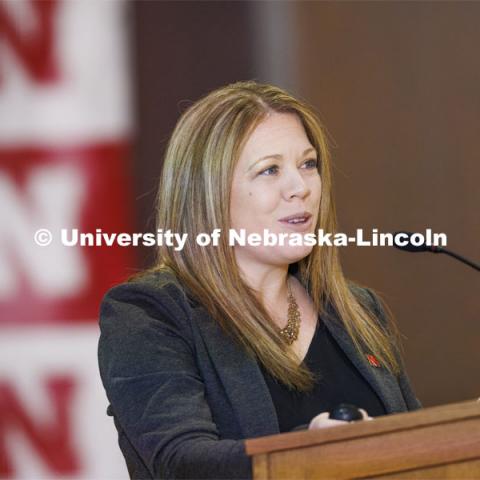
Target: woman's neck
column 269, row 282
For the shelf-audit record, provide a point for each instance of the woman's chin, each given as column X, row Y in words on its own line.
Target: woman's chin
column 290, row 254
column 272, row 255
column 298, row 253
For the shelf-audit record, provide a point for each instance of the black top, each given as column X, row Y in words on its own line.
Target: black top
column 338, row 381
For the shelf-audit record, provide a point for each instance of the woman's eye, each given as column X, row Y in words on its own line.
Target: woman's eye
column 270, row 170
column 312, row 163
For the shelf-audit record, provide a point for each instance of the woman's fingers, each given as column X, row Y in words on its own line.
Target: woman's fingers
column 322, row 421
column 365, row 414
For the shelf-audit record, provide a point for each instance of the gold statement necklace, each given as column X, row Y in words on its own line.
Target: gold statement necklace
column 290, row 332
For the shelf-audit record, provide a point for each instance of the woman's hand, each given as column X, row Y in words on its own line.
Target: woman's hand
column 322, row 420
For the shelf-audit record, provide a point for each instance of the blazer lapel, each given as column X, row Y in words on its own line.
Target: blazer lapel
column 247, row 391
column 241, row 378
column 380, row 379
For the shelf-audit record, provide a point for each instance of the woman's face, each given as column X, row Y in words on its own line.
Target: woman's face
column 276, row 186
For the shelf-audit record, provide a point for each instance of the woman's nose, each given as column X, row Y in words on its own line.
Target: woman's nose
column 295, row 185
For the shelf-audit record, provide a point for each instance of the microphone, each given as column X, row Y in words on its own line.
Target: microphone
column 410, row 247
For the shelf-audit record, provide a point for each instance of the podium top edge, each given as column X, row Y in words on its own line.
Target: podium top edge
column 422, row 418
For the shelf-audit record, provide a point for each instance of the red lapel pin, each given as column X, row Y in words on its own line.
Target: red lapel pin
column 373, row 361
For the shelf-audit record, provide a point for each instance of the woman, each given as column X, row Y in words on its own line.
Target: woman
column 217, row 344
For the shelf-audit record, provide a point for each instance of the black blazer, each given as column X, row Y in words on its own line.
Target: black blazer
column 184, row 395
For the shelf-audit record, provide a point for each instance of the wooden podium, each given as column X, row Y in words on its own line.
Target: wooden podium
column 433, row 443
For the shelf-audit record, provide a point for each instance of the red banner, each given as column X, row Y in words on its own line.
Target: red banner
column 64, row 165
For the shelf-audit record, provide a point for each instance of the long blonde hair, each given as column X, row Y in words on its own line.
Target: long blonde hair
column 194, row 197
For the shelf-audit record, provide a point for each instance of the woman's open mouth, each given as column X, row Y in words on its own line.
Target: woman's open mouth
column 299, row 222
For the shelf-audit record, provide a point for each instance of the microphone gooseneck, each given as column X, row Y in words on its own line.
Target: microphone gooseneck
column 408, row 246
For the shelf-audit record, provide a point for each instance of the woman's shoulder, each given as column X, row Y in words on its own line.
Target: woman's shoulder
column 365, row 295
column 372, row 301
column 154, row 297
column 156, row 282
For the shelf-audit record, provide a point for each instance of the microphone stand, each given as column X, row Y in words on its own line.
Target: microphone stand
column 462, row 259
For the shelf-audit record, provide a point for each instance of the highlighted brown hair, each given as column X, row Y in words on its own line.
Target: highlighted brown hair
column 194, row 197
